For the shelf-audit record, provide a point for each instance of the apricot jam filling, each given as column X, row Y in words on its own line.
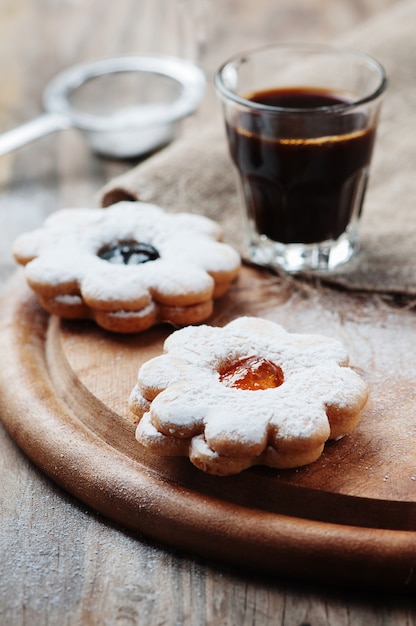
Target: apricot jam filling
column 128, row 252
column 252, row 373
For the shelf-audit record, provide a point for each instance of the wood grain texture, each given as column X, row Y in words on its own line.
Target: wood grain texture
column 350, row 516
column 59, row 561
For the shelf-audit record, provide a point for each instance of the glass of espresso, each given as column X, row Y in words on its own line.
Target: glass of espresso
column 301, row 124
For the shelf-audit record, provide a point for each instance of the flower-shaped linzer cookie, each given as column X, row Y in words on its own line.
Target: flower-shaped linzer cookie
column 129, row 266
column 245, row 394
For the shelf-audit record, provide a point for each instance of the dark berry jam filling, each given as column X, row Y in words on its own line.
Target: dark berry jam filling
column 128, row 252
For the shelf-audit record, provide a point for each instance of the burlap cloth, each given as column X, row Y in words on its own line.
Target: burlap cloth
column 195, row 173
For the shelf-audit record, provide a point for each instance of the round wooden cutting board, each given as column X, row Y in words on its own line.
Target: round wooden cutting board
column 349, row 518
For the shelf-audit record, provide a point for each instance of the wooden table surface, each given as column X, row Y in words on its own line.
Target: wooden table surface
column 61, row 563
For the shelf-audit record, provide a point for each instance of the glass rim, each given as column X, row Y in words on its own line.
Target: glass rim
column 314, row 47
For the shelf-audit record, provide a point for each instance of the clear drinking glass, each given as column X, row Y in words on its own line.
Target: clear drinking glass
column 301, row 123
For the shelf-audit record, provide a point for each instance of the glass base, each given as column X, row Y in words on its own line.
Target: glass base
column 297, row 257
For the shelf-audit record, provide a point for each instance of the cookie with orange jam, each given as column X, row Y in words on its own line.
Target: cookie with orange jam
column 247, row 394
column 129, row 266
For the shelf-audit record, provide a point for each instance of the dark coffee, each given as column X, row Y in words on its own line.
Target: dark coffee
column 302, row 180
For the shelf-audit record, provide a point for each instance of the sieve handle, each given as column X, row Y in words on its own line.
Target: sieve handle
column 30, row 131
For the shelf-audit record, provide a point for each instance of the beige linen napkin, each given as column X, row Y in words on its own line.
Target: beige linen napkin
column 195, row 174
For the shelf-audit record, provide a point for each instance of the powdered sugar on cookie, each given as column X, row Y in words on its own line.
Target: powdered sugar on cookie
column 249, row 393
column 130, row 258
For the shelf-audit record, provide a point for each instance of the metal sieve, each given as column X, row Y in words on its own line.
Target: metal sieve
column 125, row 107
